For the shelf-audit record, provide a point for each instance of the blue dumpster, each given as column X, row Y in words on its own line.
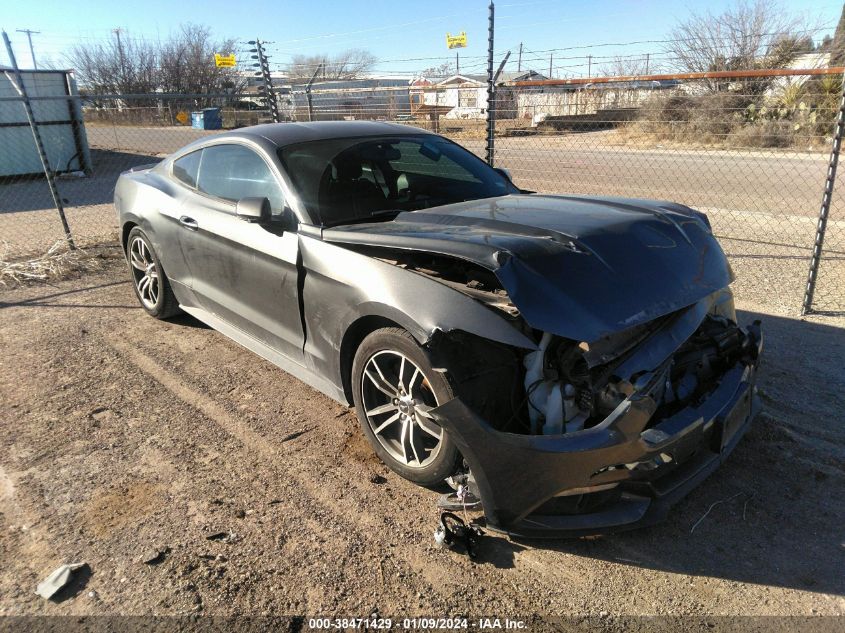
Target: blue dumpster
column 207, row 119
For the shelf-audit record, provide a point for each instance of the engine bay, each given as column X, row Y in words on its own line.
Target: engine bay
column 566, row 392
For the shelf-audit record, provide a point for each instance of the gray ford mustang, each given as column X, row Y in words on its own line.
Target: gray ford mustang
column 574, row 360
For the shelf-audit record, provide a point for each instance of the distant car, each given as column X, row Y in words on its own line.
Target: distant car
column 575, row 360
column 245, row 104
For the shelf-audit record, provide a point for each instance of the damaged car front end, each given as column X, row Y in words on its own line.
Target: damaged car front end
column 639, row 382
column 617, row 453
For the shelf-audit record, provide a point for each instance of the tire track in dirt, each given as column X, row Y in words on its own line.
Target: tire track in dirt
column 89, row 351
column 559, row 569
column 361, row 524
column 540, row 572
column 204, row 404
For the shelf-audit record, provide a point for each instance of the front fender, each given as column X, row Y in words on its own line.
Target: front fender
column 341, row 286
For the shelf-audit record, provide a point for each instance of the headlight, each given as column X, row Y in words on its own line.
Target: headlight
column 723, row 305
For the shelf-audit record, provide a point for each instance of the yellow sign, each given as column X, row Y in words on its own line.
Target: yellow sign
column 182, row 117
column 456, row 41
column 224, row 61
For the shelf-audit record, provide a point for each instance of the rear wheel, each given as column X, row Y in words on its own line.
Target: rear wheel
column 149, row 281
column 394, row 388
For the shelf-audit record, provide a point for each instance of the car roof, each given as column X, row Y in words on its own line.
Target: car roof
column 282, row 134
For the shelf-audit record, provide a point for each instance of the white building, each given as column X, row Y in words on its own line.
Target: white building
column 466, row 95
column 586, row 98
column 805, row 61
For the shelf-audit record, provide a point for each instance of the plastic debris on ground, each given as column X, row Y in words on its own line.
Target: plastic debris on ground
column 48, row 587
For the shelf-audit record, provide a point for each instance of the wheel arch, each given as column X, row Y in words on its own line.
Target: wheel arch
column 125, row 230
column 354, row 335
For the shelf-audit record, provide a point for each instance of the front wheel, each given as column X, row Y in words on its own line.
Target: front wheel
column 394, row 388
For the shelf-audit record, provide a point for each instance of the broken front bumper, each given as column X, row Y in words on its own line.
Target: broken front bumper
column 626, row 472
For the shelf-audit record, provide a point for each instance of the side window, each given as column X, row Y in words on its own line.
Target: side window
column 414, row 160
column 233, row 172
column 186, row 168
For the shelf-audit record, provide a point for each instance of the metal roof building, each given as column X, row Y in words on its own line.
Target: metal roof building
column 59, row 118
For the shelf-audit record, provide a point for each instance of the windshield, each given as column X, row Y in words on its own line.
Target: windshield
column 341, row 181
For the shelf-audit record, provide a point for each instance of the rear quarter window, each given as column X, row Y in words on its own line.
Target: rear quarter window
column 185, row 169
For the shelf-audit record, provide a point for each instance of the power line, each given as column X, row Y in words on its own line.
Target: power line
column 671, row 41
column 468, row 61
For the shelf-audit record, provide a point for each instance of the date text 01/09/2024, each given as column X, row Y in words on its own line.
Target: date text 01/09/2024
column 418, row 623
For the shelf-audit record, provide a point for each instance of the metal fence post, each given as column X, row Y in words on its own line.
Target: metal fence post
column 269, row 93
column 491, row 107
column 308, row 92
column 824, row 211
column 17, row 82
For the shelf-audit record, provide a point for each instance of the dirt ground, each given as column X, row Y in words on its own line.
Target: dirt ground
column 124, row 437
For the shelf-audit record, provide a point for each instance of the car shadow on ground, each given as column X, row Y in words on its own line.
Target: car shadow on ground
column 186, row 320
column 48, row 300
column 774, row 513
column 31, row 193
column 64, row 299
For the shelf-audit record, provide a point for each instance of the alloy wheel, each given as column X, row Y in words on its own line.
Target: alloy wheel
column 397, row 398
column 145, row 272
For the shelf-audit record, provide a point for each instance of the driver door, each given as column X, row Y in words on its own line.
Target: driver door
column 242, row 272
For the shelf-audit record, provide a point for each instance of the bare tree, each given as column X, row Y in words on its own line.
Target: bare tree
column 184, row 63
column 750, row 34
column 445, row 69
column 629, row 66
column 187, row 63
column 122, row 65
column 836, row 45
column 349, row 64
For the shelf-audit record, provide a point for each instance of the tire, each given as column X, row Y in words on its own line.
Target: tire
column 406, row 444
column 149, row 281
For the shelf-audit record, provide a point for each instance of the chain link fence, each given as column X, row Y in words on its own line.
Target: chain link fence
column 752, row 153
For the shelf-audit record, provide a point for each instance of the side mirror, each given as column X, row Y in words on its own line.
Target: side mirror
column 505, row 172
column 287, row 220
column 253, row 209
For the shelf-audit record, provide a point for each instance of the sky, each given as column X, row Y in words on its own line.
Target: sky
column 404, row 36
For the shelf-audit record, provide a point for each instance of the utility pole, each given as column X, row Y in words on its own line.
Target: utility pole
column 308, row 88
column 519, row 61
column 550, row 65
column 647, row 55
column 589, row 65
column 29, row 34
column 117, row 32
column 457, row 63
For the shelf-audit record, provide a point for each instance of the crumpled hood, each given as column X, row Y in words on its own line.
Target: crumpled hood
column 577, row 266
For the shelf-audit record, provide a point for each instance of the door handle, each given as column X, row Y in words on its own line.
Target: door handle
column 189, row 223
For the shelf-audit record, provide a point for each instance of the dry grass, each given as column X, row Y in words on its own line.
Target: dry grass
column 730, row 120
column 59, row 262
